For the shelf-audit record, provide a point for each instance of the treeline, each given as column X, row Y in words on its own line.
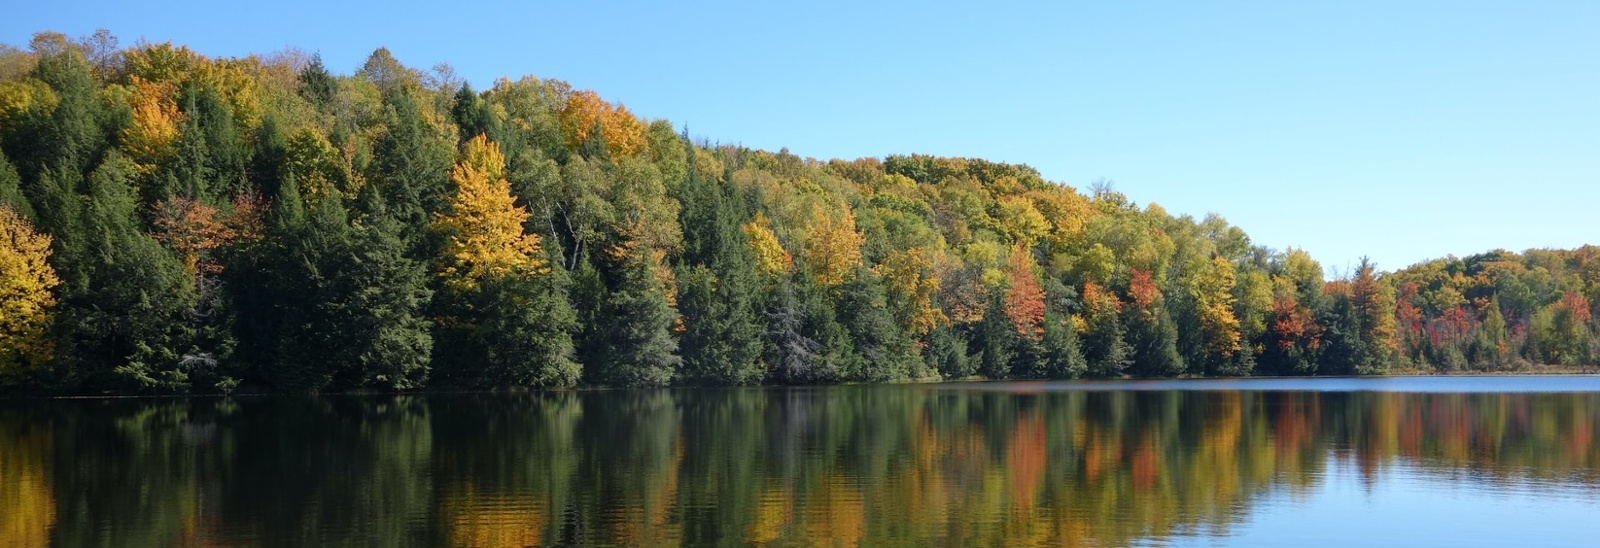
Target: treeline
column 177, row 223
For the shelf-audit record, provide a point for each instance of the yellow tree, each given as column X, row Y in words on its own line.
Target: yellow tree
column 483, row 223
column 149, row 139
column 772, row 261
column 912, row 283
column 1213, row 296
column 1022, row 222
column 833, row 246
column 585, row 111
column 1374, row 302
column 26, row 280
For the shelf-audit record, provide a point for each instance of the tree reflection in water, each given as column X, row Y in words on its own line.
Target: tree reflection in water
column 876, row 465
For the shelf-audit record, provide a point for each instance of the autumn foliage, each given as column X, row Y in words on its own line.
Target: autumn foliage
column 1024, row 297
column 26, row 298
column 265, row 222
column 483, row 225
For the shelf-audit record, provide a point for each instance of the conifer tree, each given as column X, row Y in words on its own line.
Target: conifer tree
column 636, row 346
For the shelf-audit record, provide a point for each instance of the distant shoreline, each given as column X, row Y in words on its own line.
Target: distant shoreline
column 1528, row 371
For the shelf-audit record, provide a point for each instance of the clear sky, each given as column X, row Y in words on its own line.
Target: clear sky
column 1398, row 129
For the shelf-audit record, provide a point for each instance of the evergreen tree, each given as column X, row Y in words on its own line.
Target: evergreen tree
column 1104, row 346
column 722, row 341
column 636, row 346
column 1154, row 339
column 411, row 164
column 1063, row 357
column 11, row 190
column 885, row 349
column 997, row 338
column 377, row 300
column 123, row 323
column 1344, row 352
column 316, row 85
column 947, row 353
column 793, row 355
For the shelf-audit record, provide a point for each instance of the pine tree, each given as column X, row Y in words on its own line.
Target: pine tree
column 1154, row 339
column 885, row 348
column 1105, row 347
column 636, row 346
column 793, row 354
column 411, row 163
column 1063, row 356
column 722, row 341
column 947, row 353
column 126, row 299
column 997, row 340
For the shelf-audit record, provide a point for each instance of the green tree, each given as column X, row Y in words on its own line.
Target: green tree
column 635, row 345
column 1063, row 355
column 722, row 339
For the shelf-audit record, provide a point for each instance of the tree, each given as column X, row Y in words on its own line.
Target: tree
column 126, row 302
column 998, row 338
column 482, row 224
column 719, row 295
column 194, row 230
column 316, row 84
column 1151, row 333
column 151, row 139
column 1491, row 348
column 1213, row 295
column 1562, row 331
column 586, row 117
column 26, row 285
column 771, row 260
column 1063, row 355
column 505, row 319
column 382, row 69
column 913, row 286
column 1374, row 307
column 1104, row 346
column 635, row 346
column 885, row 348
column 833, row 246
column 1024, row 299
column 793, row 354
column 11, row 194
column 1293, row 338
column 411, row 163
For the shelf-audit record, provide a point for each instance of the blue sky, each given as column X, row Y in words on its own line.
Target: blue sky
column 1400, row 130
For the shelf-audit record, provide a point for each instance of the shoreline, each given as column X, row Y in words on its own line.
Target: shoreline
column 1534, row 371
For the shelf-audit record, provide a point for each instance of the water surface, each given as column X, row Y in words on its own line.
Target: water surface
column 1460, row 461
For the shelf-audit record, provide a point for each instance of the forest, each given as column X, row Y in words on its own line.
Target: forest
column 175, row 223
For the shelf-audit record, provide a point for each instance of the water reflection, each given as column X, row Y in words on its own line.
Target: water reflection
column 885, row 465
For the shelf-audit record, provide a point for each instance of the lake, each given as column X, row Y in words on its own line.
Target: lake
column 1401, row 461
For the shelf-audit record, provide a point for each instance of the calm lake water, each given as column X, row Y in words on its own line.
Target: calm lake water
column 1461, row 461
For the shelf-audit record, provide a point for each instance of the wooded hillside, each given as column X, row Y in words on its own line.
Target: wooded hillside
column 178, row 223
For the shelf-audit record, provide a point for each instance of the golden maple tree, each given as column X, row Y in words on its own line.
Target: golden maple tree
column 833, row 246
column 771, row 259
column 26, row 281
column 150, row 139
column 1213, row 295
column 913, row 284
column 483, row 223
